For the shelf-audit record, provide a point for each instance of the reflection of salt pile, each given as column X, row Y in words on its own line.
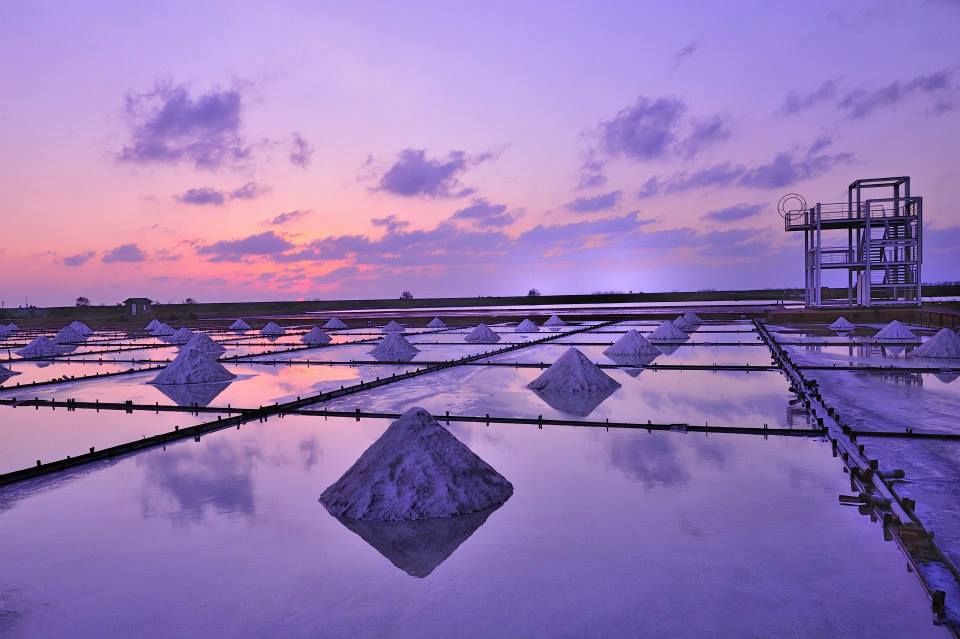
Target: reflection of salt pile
column 667, row 332
column 573, row 384
column 203, row 343
column 481, row 334
column 182, row 336
column 40, row 347
column 6, row 372
column 81, row 328
column 272, row 329
column 163, row 330
column 842, row 325
column 394, row 345
column 895, row 332
column 688, row 322
column 527, row 326
column 947, row 378
column 554, row 321
column 68, row 335
column 632, row 344
column 193, row 367
column 193, row 394
column 392, row 327
column 334, row 323
column 945, row 343
column 153, row 325
column 239, row 325
column 436, row 322
column 316, row 336
column 416, row 470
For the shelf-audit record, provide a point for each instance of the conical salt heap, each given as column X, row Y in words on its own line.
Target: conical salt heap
column 436, row 322
column 193, row 367
column 554, row 321
column 272, row 329
column 81, row 328
column 416, row 470
column 392, row 327
column 842, row 325
column 527, row 326
column 316, row 336
column 944, row 344
column 152, row 326
column 334, row 323
column 203, row 343
column 4, row 331
column 632, row 344
column 12, row 327
column 40, row 347
column 895, row 332
column 394, row 345
column 667, row 332
column 688, row 322
column 239, row 325
column 68, row 335
column 573, row 384
column 182, row 336
column 163, row 330
column 6, row 372
column 481, row 334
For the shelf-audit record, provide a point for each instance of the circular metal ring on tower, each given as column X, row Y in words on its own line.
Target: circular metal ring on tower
column 791, row 203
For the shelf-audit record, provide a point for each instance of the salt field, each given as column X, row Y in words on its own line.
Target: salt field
column 703, row 489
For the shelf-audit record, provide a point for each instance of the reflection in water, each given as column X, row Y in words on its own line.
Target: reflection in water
column 578, row 404
column 394, row 357
column 946, row 378
column 418, row 547
column 193, row 394
column 654, row 460
column 636, row 362
column 668, row 349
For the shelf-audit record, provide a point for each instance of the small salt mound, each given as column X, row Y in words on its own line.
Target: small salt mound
column 203, row 343
column 68, row 335
column 481, row 334
column 392, row 327
column 272, row 329
column 945, row 343
column 334, row 323
column 416, row 470
column 152, row 326
column 394, row 344
column 12, row 327
column 842, row 325
column 632, row 344
column 896, row 332
column 163, row 330
column 554, row 321
column 527, row 326
column 691, row 319
column 573, row 384
column 193, row 367
column 667, row 332
column 40, row 347
column 436, row 322
column 316, row 336
column 6, row 372
column 239, row 325
column 182, row 336
column 81, row 328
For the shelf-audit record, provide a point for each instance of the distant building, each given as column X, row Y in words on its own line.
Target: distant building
column 138, row 305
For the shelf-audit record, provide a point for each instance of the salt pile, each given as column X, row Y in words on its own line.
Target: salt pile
column 945, row 343
column 163, row 330
column 842, row 325
column 394, row 345
column 632, row 344
column 896, row 332
column 573, row 384
column 316, row 336
column 527, row 326
column 392, row 327
column 688, row 322
column 182, row 336
column 4, row 331
column 6, row 372
column 272, row 329
column 554, row 321
column 152, row 326
column 40, row 347
column 12, row 327
column 203, row 343
column 193, row 367
column 68, row 335
column 436, row 322
column 334, row 323
column 416, row 470
column 667, row 332
column 482, row 334
column 81, row 328
column 239, row 325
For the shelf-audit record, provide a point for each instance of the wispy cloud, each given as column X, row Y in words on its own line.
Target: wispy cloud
column 289, row 216
column 602, row 202
column 124, row 253
column 414, row 174
column 485, row 214
column 262, row 244
column 733, row 213
column 79, row 259
column 301, row 152
column 209, row 196
column 686, row 52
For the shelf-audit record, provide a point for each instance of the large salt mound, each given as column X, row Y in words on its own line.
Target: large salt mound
column 416, row 470
column 163, row 330
column 203, row 343
column 239, row 325
column 81, row 328
column 316, row 336
column 436, row 322
column 481, row 334
column 896, row 332
column 272, row 329
column 152, row 326
column 392, row 327
column 527, row 326
column 667, row 332
column 68, row 335
column 945, row 344
column 394, row 344
column 40, row 347
column 334, row 323
column 554, row 321
column 842, row 325
column 632, row 344
column 182, row 336
column 573, row 384
column 193, row 367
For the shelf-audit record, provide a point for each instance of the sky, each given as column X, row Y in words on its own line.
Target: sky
column 229, row 151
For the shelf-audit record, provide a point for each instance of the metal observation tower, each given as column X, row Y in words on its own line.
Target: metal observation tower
column 876, row 240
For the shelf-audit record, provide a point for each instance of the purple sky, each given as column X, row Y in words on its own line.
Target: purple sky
column 342, row 150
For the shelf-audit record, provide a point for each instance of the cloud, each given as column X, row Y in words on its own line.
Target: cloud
column 796, row 102
column 413, row 174
column 733, row 213
column 79, row 259
column 485, row 215
column 603, row 202
column 168, row 125
column 124, row 253
column 301, row 153
column 249, row 191
column 705, row 133
column 645, row 130
column 289, row 216
column 263, row 244
column 860, row 103
column 391, row 223
column 203, row 196
column 686, row 52
column 592, row 173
